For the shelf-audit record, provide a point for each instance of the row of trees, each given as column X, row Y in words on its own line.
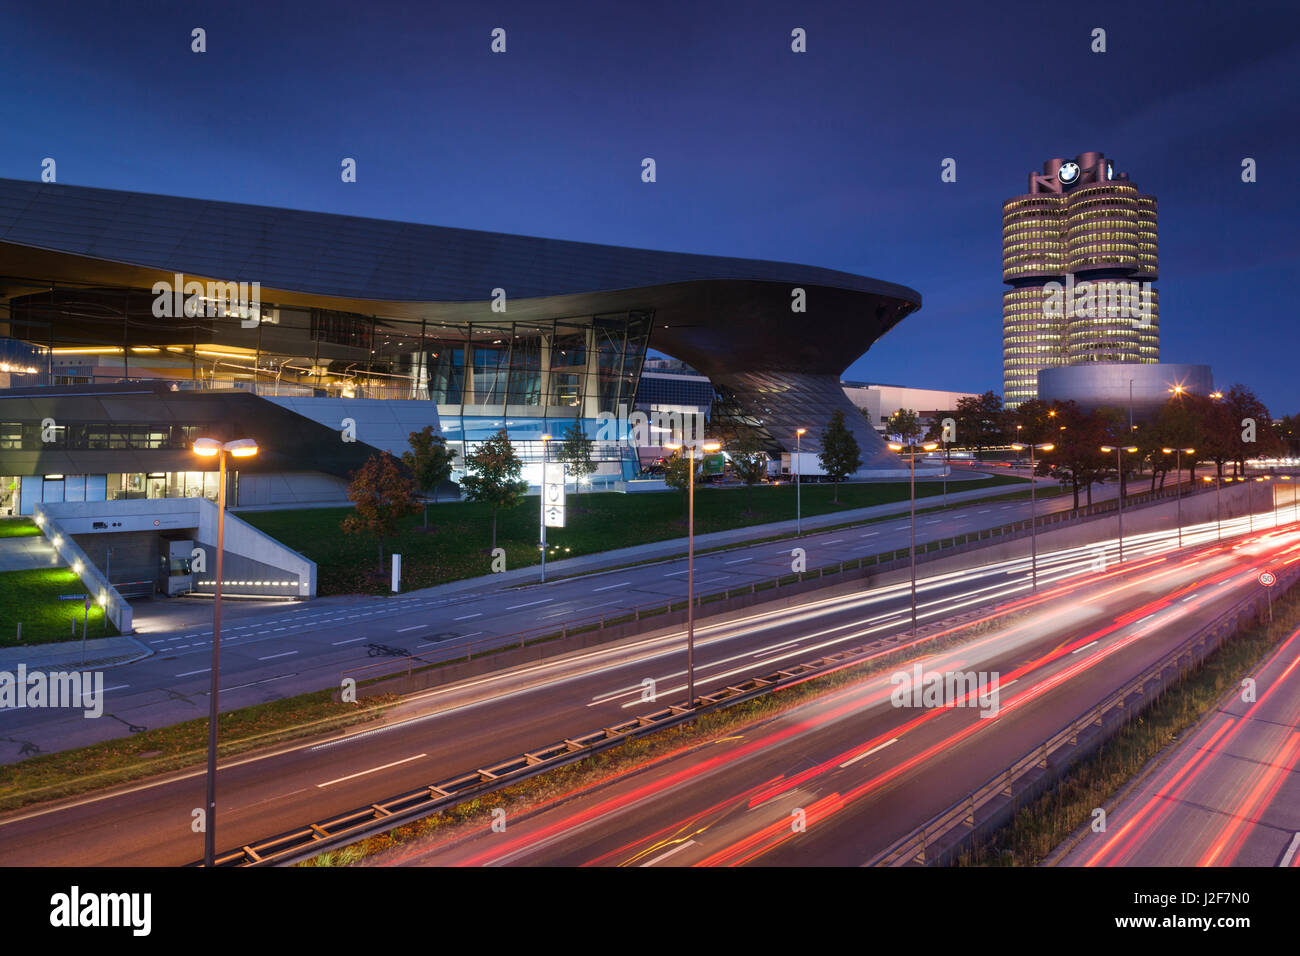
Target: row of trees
column 384, row 493
column 1226, row 429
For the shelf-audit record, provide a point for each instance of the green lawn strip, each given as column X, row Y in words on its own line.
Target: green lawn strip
column 1011, row 496
column 18, row 528
column 32, row 597
column 1042, row 825
column 180, row 746
column 458, row 543
column 638, row 754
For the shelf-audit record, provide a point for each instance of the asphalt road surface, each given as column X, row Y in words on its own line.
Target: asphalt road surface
column 477, row 723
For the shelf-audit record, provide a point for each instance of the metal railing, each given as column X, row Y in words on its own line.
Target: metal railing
column 946, row 832
column 308, row 841
column 398, row 663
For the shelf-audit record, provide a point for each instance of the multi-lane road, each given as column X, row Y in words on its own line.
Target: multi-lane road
column 480, row 722
column 836, row 780
column 1227, row 795
column 274, row 652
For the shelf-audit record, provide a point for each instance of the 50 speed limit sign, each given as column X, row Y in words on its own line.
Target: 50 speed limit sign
column 1267, row 578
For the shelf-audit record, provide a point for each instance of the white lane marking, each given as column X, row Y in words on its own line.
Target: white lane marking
column 1188, row 598
column 515, row 607
column 270, row 657
column 352, row 776
column 836, row 541
column 1084, row 648
column 466, row 617
column 664, row 856
column 1290, row 851
column 868, row 753
column 772, row 647
column 609, row 586
column 743, row 560
column 870, row 534
column 984, row 512
column 671, row 573
column 201, row 670
column 413, row 627
column 350, row 640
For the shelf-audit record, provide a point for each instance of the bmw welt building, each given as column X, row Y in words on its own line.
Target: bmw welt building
column 132, row 324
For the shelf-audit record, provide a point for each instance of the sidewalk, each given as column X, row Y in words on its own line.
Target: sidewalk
column 27, row 552
column 101, row 652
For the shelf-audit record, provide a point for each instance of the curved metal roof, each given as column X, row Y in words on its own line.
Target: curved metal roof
column 357, row 258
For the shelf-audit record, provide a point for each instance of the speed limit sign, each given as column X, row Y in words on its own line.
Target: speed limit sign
column 1267, row 578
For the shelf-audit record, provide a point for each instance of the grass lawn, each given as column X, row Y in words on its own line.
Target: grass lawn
column 32, row 597
column 458, row 543
column 18, row 528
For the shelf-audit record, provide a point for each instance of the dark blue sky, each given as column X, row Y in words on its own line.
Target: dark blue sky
column 830, row 158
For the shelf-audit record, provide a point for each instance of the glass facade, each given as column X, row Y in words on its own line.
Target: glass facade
column 528, row 376
column 1102, row 233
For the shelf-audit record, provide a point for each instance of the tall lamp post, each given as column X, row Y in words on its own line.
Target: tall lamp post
column 798, row 485
column 690, row 567
column 211, row 448
column 1033, row 517
column 1178, row 467
column 541, row 496
column 1119, row 469
column 928, row 446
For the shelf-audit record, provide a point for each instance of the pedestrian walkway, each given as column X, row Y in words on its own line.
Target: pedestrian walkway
column 100, row 652
column 27, row 552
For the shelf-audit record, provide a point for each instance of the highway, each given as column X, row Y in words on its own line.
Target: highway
column 1228, row 794
column 291, row 648
column 836, row 780
column 480, row 722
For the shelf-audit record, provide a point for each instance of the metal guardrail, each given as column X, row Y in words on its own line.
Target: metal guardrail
column 400, row 664
column 951, row 828
column 305, row 842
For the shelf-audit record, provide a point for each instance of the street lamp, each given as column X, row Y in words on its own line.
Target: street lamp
column 928, row 446
column 1178, row 466
column 798, row 500
column 1119, row 468
column 1033, row 518
column 1218, row 511
column 690, row 568
column 211, row 448
column 541, row 495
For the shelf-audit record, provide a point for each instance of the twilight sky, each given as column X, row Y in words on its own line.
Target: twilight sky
column 831, row 157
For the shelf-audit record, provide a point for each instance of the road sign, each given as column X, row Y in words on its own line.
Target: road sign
column 553, row 494
column 1267, row 578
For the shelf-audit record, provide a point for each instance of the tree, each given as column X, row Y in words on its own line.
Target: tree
column 383, row 494
column 492, row 475
column 840, row 455
column 979, row 421
column 1077, row 459
column 430, row 461
column 750, row 462
column 575, row 451
column 904, row 425
column 677, row 473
